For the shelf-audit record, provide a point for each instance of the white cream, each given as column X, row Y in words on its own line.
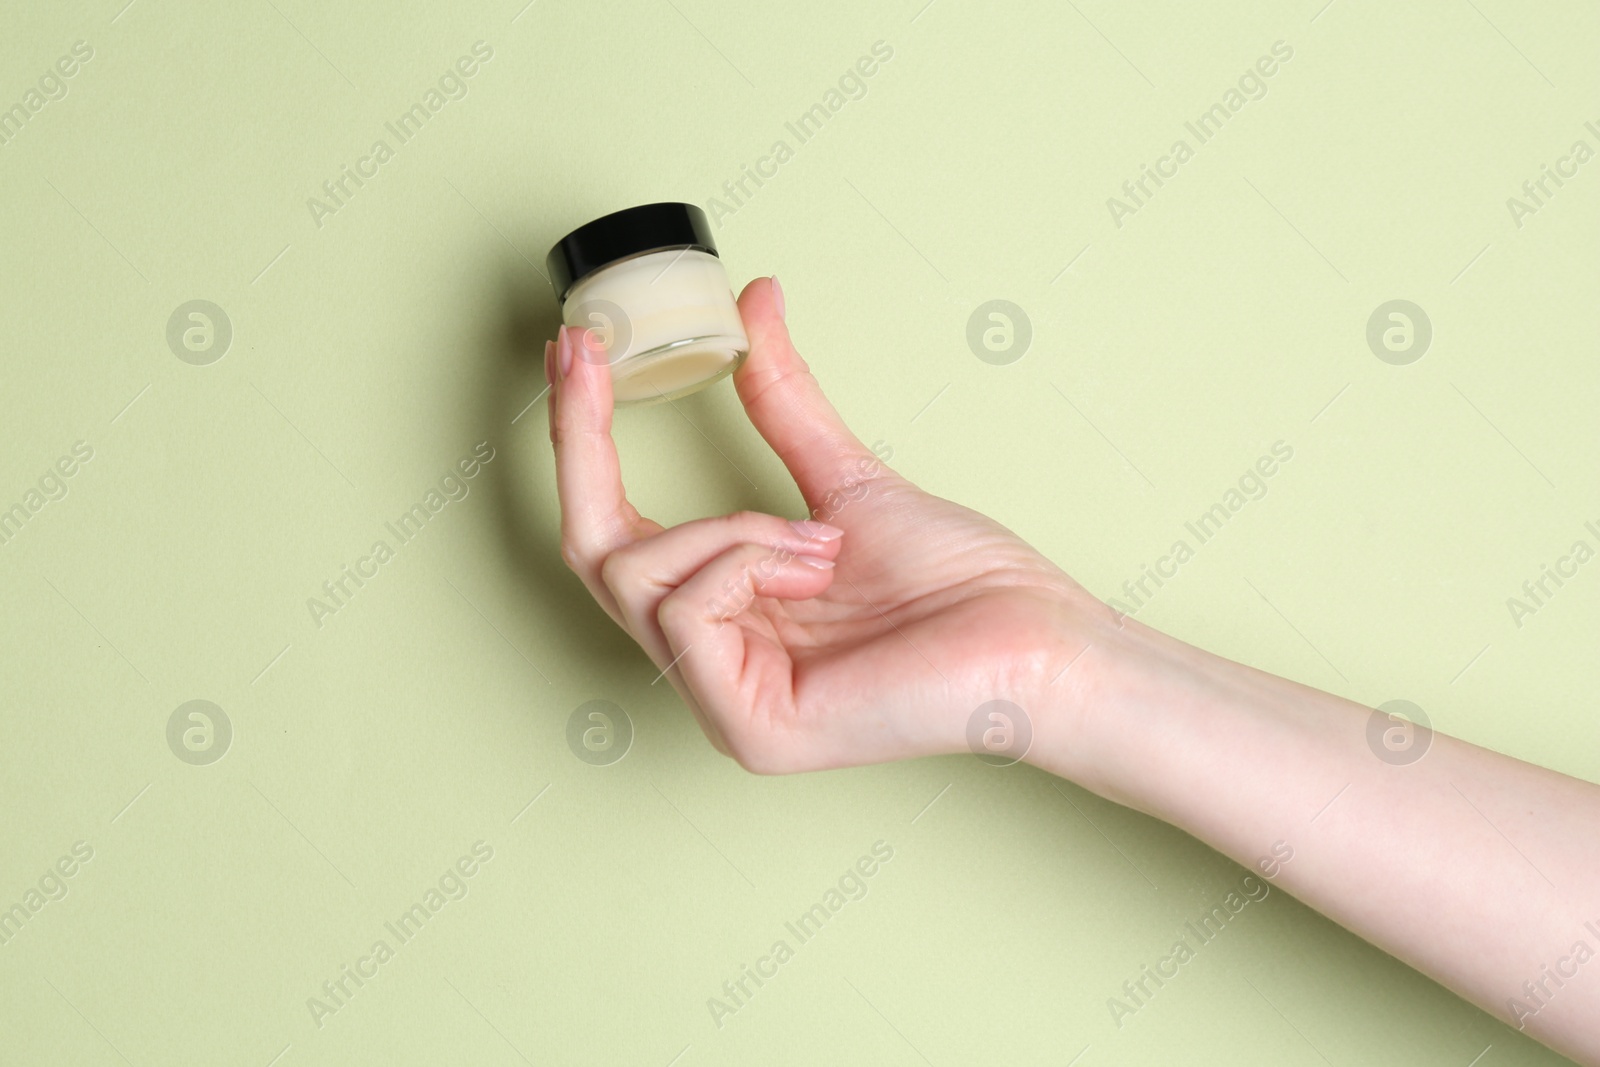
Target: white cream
column 668, row 320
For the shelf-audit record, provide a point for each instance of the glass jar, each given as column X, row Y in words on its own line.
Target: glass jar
column 649, row 281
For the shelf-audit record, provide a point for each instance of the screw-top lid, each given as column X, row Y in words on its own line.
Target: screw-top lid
column 629, row 232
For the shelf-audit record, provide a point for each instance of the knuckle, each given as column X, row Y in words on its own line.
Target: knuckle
column 572, row 421
column 789, row 374
column 740, row 527
column 674, row 612
column 618, row 570
column 560, row 424
column 753, row 756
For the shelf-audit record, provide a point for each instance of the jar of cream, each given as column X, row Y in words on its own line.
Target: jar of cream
column 649, row 281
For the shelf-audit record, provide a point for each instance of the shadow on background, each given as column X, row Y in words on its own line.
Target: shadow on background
column 527, row 522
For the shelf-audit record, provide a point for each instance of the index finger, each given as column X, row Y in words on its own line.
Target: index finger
column 596, row 518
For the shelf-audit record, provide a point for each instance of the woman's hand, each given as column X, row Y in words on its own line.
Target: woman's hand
column 878, row 636
column 870, row 635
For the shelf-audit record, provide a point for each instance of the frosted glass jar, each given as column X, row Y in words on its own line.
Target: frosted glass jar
column 649, row 281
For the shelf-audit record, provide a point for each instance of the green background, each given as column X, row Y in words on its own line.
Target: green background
column 371, row 352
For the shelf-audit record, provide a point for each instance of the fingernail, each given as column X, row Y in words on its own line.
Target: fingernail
column 816, row 531
column 549, row 369
column 777, row 298
column 815, row 561
column 564, row 353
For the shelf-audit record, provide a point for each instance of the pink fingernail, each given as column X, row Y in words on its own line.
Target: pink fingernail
column 815, row 561
column 816, row 531
column 564, row 352
column 549, row 371
column 777, row 297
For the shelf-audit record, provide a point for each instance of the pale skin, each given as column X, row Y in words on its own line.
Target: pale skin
column 874, row 637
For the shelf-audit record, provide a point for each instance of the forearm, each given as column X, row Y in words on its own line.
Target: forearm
column 1477, row 869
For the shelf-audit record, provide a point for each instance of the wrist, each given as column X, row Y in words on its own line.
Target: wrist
column 1190, row 737
column 1119, row 700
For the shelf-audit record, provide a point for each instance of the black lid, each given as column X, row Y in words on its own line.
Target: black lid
column 629, row 232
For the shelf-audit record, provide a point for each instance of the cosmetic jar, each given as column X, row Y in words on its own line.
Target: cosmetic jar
column 648, row 280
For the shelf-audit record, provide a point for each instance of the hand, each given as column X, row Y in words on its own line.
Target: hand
column 876, row 635
column 870, row 636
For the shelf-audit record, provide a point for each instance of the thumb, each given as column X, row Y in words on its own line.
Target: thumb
column 786, row 404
